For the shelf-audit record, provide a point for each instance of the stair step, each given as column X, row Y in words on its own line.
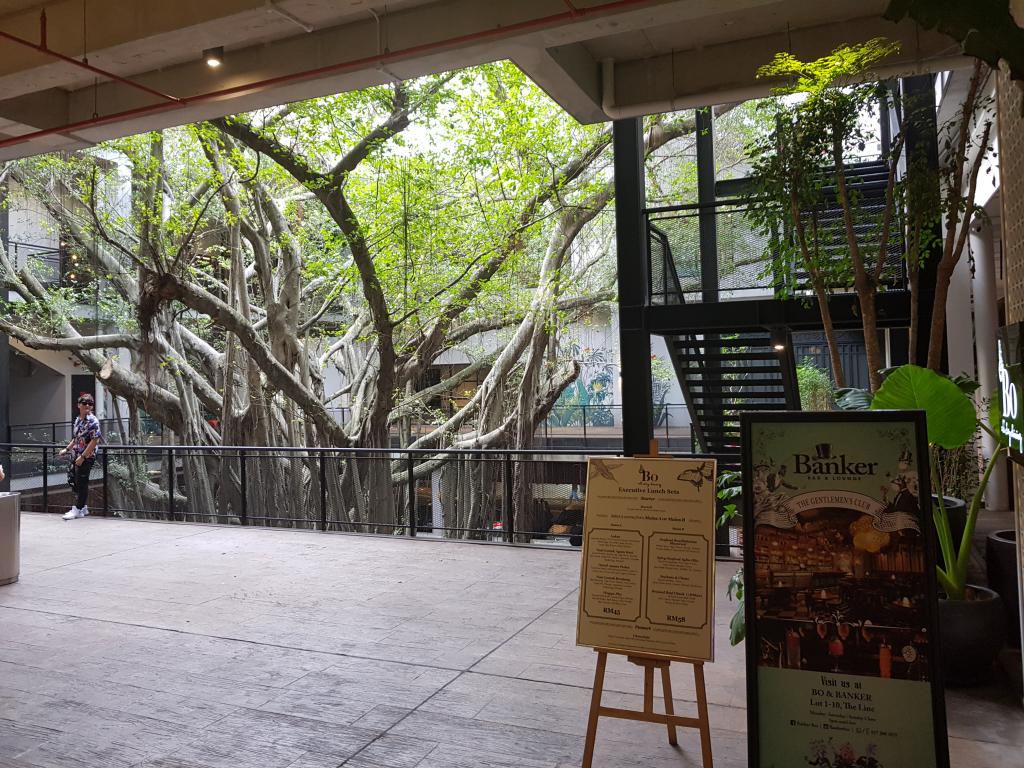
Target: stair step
column 700, row 396
column 757, row 341
column 688, row 355
column 755, row 381
column 724, row 447
column 733, row 369
column 721, row 430
column 779, row 406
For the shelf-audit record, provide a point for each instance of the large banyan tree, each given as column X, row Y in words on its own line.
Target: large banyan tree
column 367, row 233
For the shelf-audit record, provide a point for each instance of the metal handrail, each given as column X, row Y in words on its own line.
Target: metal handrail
column 501, row 514
column 346, row 450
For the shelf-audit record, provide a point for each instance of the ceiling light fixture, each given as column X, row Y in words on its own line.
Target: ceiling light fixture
column 214, row 57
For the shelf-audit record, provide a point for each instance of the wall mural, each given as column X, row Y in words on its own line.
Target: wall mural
column 592, row 395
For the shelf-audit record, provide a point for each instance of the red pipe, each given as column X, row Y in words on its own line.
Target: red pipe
column 311, row 74
column 42, row 48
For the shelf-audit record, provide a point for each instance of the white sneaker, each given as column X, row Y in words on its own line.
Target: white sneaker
column 74, row 513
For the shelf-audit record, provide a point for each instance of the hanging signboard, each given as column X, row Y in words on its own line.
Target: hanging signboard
column 1011, row 383
column 647, row 575
column 840, row 592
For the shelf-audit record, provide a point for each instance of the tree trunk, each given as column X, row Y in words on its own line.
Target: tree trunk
column 937, row 331
column 838, row 374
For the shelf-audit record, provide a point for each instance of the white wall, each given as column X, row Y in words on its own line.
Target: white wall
column 38, row 393
column 61, row 364
column 29, row 222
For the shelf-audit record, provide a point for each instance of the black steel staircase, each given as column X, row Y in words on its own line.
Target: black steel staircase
column 741, row 363
column 722, row 376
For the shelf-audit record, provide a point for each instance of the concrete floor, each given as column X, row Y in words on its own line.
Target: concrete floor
column 175, row 645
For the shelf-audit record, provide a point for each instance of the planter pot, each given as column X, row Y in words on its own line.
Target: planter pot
column 956, row 512
column 971, row 634
column 1001, row 564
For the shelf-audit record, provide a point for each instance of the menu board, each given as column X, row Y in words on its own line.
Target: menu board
column 840, row 591
column 647, row 575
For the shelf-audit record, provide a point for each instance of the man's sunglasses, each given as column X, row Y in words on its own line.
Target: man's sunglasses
column 86, row 402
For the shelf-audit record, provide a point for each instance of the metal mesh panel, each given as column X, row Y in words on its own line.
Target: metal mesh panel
column 491, row 496
column 549, row 505
column 744, row 258
column 113, row 430
column 361, row 494
column 25, row 470
column 137, row 485
column 675, row 246
column 471, row 491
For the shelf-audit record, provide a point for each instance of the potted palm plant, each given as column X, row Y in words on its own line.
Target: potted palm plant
column 971, row 622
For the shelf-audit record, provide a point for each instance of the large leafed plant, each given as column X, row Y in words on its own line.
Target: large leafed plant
column 952, row 423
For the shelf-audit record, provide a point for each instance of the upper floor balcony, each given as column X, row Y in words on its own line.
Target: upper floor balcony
column 715, row 252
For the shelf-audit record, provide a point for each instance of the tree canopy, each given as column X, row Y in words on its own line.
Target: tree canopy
column 241, row 261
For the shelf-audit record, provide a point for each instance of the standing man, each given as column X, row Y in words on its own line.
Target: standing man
column 85, row 441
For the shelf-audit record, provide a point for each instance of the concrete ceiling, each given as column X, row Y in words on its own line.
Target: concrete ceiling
column 656, row 55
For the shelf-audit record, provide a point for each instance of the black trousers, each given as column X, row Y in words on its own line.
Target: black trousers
column 82, row 482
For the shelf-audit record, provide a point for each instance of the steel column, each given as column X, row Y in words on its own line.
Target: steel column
column 46, row 481
column 5, row 351
column 170, row 483
column 922, row 143
column 411, row 468
column 509, row 517
column 632, row 262
column 706, row 199
column 323, row 491
column 106, row 484
column 243, row 487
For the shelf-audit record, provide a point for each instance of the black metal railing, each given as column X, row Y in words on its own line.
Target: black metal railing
column 583, row 425
column 113, row 430
column 676, row 266
column 488, row 495
column 46, row 261
column 746, row 263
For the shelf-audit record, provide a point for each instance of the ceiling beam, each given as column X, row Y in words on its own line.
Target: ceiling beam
column 717, row 74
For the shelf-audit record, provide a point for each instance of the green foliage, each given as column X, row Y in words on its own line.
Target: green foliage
column 950, row 413
column 853, row 399
column 845, row 66
column 820, row 107
column 729, row 488
column 738, row 622
column 817, row 392
column 952, row 425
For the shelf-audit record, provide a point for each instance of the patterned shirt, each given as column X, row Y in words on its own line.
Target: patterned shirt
column 84, row 431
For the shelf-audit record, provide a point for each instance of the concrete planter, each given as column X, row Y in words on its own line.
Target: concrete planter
column 1001, row 564
column 972, row 632
column 10, row 537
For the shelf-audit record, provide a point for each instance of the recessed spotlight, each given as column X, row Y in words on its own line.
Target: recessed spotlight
column 214, row 57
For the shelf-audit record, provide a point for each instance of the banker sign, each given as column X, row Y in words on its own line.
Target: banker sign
column 1011, row 383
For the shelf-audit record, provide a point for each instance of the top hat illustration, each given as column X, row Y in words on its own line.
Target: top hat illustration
column 823, row 451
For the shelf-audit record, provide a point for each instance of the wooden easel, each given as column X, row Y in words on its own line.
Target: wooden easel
column 648, row 715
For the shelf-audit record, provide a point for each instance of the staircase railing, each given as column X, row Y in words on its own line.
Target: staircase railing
column 746, row 264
